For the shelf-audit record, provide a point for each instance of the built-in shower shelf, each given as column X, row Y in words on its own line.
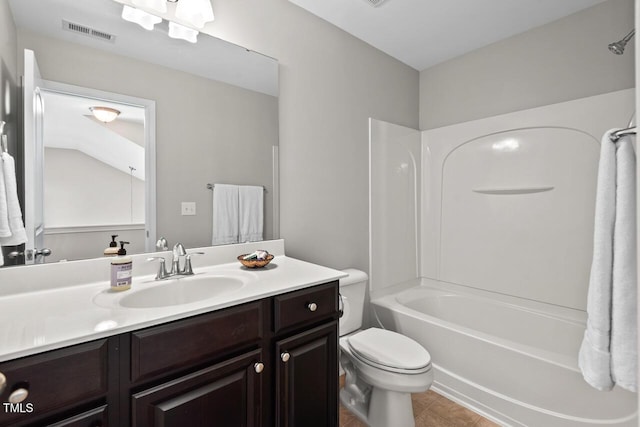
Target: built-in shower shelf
column 513, row 190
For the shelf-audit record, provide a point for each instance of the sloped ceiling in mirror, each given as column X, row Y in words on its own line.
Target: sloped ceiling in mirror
column 210, row 57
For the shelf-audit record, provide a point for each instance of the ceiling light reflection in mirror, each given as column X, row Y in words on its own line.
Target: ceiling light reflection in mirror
column 210, row 58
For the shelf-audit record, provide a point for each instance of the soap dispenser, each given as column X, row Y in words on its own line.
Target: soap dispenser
column 121, row 270
column 112, row 250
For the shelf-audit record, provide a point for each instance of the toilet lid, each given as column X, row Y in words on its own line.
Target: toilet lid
column 390, row 349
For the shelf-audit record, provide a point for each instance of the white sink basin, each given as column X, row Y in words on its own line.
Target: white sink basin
column 171, row 292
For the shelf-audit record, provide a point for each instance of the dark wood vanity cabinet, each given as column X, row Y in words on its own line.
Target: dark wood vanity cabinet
column 306, row 378
column 201, row 371
column 306, row 358
column 227, row 394
column 271, row 362
column 66, row 387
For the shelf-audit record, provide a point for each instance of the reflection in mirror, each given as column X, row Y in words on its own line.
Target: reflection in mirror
column 97, row 167
column 216, row 113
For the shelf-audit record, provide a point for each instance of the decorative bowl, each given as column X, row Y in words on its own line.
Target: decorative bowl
column 254, row 263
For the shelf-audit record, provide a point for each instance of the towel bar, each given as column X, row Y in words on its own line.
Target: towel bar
column 211, row 186
column 622, row 132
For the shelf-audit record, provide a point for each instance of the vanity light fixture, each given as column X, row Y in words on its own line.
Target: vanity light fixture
column 140, row 17
column 177, row 31
column 157, row 5
column 194, row 12
column 104, row 114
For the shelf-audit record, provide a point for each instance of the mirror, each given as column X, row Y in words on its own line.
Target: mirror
column 216, row 115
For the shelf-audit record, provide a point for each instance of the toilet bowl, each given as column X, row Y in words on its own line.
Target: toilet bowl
column 382, row 367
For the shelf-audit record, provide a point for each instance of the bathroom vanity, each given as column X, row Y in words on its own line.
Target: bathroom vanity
column 237, row 360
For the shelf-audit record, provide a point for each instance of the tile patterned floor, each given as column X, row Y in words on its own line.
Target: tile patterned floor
column 430, row 410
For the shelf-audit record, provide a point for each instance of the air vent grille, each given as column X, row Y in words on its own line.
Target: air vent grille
column 375, row 3
column 87, row 31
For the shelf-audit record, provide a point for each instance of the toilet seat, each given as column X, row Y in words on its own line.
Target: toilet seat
column 389, row 351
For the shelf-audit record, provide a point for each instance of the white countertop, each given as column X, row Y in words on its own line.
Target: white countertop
column 40, row 319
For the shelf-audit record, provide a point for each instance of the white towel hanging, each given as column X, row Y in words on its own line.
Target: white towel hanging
column 624, row 354
column 225, row 214
column 608, row 354
column 17, row 234
column 5, row 230
column 251, row 210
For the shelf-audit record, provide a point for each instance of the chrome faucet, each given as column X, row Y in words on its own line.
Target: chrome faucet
column 162, row 244
column 178, row 251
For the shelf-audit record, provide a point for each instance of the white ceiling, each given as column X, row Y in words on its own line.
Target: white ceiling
column 68, row 124
column 422, row 33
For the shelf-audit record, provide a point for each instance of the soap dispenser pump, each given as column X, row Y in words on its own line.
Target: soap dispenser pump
column 112, row 250
column 121, row 270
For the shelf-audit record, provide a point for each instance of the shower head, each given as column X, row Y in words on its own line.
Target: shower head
column 618, row 47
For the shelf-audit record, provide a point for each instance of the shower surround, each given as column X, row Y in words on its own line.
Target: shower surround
column 480, row 249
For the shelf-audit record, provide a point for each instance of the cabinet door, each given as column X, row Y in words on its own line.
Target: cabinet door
column 56, row 381
column 226, row 394
column 307, row 378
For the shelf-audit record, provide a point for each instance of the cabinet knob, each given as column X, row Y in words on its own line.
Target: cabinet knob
column 285, row 357
column 18, row 395
column 3, row 382
column 259, row 367
column 312, row 306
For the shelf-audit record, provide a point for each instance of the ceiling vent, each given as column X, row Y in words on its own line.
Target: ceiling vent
column 87, row 31
column 375, row 3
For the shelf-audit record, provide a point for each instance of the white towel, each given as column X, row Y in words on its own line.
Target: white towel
column 225, row 214
column 18, row 234
column 5, row 230
column 624, row 354
column 251, row 213
column 603, row 358
column 594, row 358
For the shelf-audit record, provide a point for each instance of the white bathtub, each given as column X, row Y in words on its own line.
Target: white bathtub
column 513, row 360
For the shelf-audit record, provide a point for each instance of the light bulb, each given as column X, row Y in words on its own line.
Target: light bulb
column 140, row 17
column 177, row 31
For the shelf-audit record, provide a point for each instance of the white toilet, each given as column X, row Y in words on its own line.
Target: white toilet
column 382, row 367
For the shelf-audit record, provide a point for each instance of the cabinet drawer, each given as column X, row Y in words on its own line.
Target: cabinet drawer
column 94, row 418
column 55, row 380
column 190, row 342
column 305, row 306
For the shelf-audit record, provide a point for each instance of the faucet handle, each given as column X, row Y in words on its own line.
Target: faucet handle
column 188, row 270
column 162, row 244
column 162, row 269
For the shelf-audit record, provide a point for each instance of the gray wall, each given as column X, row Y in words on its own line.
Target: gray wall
column 330, row 84
column 560, row 61
column 198, row 140
column 99, row 193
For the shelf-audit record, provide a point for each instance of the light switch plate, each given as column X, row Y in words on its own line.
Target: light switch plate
column 188, row 208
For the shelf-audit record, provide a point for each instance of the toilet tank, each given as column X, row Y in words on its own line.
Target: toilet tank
column 352, row 290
